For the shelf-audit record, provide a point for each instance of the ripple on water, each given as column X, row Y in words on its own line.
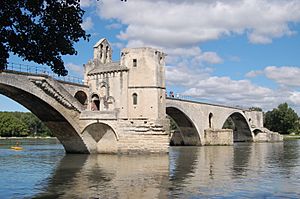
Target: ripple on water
column 245, row 170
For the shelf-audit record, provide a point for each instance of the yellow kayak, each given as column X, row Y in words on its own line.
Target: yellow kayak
column 17, row 148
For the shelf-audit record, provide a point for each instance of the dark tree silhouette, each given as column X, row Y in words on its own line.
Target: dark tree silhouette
column 40, row 31
column 282, row 119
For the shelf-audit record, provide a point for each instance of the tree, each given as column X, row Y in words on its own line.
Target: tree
column 282, row 119
column 255, row 109
column 22, row 124
column 229, row 124
column 11, row 126
column 34, row 126
column 40, row 31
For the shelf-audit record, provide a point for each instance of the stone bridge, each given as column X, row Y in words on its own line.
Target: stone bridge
column 52, row 102
column 59, row 105
column 122, row 107
column 197, row 122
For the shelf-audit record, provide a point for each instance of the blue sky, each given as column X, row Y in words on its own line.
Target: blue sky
column 234, row 52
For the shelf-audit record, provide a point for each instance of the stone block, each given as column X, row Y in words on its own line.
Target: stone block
column 218, row 137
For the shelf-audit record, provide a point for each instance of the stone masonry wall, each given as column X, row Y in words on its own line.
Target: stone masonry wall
column 218, row 137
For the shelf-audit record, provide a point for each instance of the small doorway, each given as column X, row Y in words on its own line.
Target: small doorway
column 95, row 106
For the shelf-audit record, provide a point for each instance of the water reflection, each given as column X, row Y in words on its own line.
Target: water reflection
column 109, row 176
column 257, row 170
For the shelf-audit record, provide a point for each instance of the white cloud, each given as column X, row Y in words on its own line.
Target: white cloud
column 113, row 26
column 211, row 57
column 183, row 76
column 224, row 90
column 118, row 45
column 254, row 73
column 259, row 39
column 87, row 23
column 191, row 57
column 295, row 98
column 87, row 3
column 174, row 23
column 74, row 68
column 286, row 75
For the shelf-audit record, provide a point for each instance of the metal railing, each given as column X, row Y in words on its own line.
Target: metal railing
column 179, row 96
column 41, row 70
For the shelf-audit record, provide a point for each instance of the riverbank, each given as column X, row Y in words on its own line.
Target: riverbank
column 291, row 137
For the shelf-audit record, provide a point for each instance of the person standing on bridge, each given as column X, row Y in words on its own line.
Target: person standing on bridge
column 171, row 94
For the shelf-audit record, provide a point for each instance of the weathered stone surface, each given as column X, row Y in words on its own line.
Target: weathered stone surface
column 265, row 135
column 218, row 137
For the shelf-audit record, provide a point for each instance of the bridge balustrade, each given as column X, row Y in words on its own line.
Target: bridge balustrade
column 187, row 98
column 41, row 70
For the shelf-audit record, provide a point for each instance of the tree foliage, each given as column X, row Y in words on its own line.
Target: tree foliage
column 229, row 124
column 255, row 109
column 11, row 126
column 21, row 124
column 40, row 31
column 282, row 119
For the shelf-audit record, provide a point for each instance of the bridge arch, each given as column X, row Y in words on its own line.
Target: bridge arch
column 81, row 96
column 102, row 137
column 240, row 126
column 41, row 101
column 187, row 133
column 257, row 131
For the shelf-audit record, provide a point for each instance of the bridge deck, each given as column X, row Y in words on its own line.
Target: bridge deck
column 204, row 103
column 42, row 71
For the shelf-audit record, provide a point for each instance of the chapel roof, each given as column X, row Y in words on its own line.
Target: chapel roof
column 108, row 67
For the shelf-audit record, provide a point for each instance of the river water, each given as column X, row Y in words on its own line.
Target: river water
column 245, row 170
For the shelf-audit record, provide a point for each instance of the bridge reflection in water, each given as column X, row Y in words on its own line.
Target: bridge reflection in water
column 223, row 171
column 109, row 176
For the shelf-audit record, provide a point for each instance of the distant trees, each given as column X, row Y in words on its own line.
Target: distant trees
column 11, row 126
column 255, row 109
column 21, row 124
column 282, row 119
column 229, row 124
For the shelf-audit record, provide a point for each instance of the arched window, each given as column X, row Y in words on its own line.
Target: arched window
column 95, row 103
column 209, row 120
column 134, row 62
column 101, row 50
column 134, row 99
column 107, row 51
column 81, row 97
column 102, row 91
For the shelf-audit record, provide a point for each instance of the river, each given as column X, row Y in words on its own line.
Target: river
column 245, row 170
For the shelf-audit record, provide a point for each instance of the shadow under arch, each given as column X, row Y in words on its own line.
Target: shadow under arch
column 81, row 97
column 257, row 131
column 241, row 129
column 54, row 120
column 186, row 133
column 102, row 137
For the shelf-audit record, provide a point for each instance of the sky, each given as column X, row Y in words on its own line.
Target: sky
column 232, row 52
